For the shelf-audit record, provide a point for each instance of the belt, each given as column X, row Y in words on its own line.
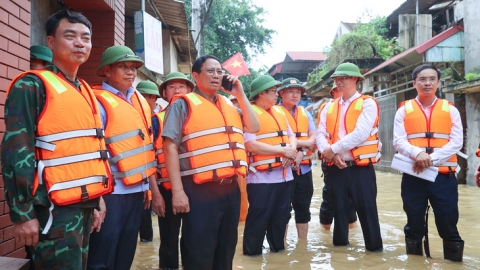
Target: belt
column 226, row 181
column 350, row 163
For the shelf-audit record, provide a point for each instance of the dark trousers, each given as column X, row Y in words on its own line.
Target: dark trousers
column 326, row 208
column 209, row 230
column 268, row 213
column 169, row 227
column 114, row 246
column 301, row 196
column 358, row 183
column 443, row 196
column 146, row 228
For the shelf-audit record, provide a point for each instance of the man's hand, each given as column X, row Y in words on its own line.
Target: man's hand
column 289, row 152
column 180, row 202
column 158, row 204
column 287, row 162
column 298, row 160
column 96, row 224
column 146, row 199
column 310, row 144
column 328, row 154
column 339, row 161
column 477, row 176
column 26, row 232
column 422, row 162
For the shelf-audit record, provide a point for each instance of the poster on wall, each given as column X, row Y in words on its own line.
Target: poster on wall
column 148, row 41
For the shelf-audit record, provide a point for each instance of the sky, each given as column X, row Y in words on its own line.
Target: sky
column 310, row 25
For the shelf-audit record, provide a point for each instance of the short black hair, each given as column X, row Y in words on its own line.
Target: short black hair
column 423, row 67
column 51, row 24
column 197, row 65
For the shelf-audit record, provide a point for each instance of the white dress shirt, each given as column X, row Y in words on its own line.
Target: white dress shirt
column 359, row 135
column 440, row 156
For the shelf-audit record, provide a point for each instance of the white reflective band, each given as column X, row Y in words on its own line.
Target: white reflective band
column 67, row 185
column 367, row 143
column 161, row 165
column 211, row 167
column 45, row 145
column 372, row 155
column 448, row 164
column 462, row 155
column 210, row 149
column 302, row 134
column 424, row 149
column 263, row 162
column 158, row 152
column 124, row 136
column 252, row 169
column 271, row 135
column 210, row 131
column 139, row 169
column 374, row 131
column 131, row 153
column 424, row 135
column 162, row 180
column 71, row 134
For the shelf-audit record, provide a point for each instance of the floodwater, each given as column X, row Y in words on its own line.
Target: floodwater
column 318, row 252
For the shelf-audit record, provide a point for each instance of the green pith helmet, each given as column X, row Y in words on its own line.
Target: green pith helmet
column 176, row 76
column 41, row 52
column 262, row 83
column 117, row 54
column 291, row 83
column 348, row 69
column 334, row 86
column 148, row 87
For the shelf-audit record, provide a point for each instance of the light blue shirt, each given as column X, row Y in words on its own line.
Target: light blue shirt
column 120, row 188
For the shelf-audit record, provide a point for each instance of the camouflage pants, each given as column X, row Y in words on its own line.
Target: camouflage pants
column 66, row 244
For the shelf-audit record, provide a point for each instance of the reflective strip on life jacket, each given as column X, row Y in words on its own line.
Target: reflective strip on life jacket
column 368, row 143
column 229, row 129
column 124, row 136
column 272, row 135
column 44, row 142
column 158, row 152
column 301, row 134
column 232, row 145
column 263, row 162
column 428, row 135
column 162, row 180
column 136, row 170
column 371, row 155
column 214, row 166
column 130, row 153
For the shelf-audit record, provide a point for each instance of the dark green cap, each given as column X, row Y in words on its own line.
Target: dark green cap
column 117, row 54
column 291, row 83
column 148, row 87
column 41, row 52
column 262, row 83
column 176, row 76
column 348, row 69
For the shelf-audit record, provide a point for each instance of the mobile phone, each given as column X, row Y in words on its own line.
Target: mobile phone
column 227, row 84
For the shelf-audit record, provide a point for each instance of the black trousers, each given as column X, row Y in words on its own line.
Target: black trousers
column 301, row 196
column 210, row 229
column 169, row 227
column 326, row 208
column 442, row 195
column 268, row 213
column 358, row 183
column 146, row 228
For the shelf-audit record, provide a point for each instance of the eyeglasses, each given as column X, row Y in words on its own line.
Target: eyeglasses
column 212, row 71
column 174, row 88
column 127, row 56
column 425, row 80
column 340, row 79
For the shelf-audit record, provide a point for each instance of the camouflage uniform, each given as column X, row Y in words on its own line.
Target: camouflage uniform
column 66, row 244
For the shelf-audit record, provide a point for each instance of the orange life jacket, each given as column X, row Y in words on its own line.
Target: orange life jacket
column 161, row 170
column 70, row 148
column 367, row 152
column 320, row 112
column 299, row 125
column 128, row 136
column 273, row 131
column 430, row 134
column 213, row 136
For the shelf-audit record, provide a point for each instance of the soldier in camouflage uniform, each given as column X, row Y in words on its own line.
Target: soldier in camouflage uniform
column 65, row 246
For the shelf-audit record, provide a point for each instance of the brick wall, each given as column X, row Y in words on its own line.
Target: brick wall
column 14, row 58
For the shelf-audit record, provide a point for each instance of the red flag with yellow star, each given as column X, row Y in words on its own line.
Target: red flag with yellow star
column 236, row 65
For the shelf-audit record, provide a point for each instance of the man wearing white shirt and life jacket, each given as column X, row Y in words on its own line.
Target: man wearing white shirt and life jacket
column 204, row 154
column 348, row 139
column 126, row 117
column 429, row 130
column 301, row 123
column 273, row 150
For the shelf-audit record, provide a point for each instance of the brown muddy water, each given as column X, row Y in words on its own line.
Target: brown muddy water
column 318, row 252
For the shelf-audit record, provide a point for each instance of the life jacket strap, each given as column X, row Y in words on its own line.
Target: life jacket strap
column 272, row 135
column 428, row 135
column 139, row 169
column 227, row 129
column 233, row 163
column 162, row 180
column 124, row 136
column 252, row 165
column 158, row 152
column 131, row 153
column 230, row 145
column 44, row 142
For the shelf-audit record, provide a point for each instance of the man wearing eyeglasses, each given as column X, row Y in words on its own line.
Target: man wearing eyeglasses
column 204, row 154
column 126, row 118
column 348, row 139
column 303, row 126
column 429, row 131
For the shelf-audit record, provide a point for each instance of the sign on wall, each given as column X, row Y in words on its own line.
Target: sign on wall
column 148, row 41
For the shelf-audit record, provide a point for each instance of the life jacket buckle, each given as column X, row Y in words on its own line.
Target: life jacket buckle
column 142, row 135
column 298, row 134
column 229, row 129
column 85, row 196
column 428, row 135
column 100, row 133
column 429, row 150
column 280, row 133
column 278, row 159
column 283, row 144
column 270, row 167
column 105, row 182
column 104, row 154
column 236, row 164
column 150, row 131
column 232, row 145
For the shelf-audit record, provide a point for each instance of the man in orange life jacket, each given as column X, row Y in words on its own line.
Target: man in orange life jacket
column 429, row 130
column 126, row 117
column 53, row 136
column 303, row 126
column 149, row 91
column 348, row 139
column 273, row 150
column 175, row 83
column 204, row 153
column 326, row 208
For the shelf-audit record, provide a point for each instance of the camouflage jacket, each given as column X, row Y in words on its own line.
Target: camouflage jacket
column 23, row 106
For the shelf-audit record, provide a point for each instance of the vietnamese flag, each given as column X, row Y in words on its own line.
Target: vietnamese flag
column 236, row 65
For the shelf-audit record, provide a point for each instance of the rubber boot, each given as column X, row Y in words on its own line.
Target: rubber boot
column 414, row 247
column 453, row 250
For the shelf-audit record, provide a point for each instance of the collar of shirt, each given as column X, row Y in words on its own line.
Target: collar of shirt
column 196, row 91
column 109, row 88
column 416, row 98
column 352, row 98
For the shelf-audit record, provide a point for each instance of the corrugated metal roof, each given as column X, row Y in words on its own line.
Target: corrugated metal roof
column 419, row 49
column 314, row 56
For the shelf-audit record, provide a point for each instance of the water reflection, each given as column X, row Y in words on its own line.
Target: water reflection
column 318, row 252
